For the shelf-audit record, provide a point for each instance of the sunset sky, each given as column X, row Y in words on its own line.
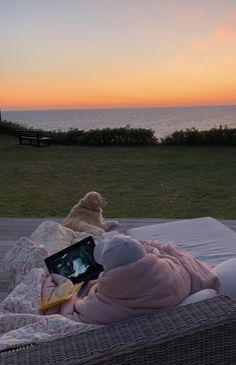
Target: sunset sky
column 105, row 53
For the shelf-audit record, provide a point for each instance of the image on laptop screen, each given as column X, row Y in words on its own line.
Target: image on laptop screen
column 75, row 262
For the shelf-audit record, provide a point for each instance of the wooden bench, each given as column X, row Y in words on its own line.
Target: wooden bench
column 33, row 138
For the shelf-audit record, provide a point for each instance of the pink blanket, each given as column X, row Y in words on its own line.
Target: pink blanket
column 160, row 280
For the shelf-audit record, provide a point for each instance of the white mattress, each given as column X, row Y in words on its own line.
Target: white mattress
column 205, row 238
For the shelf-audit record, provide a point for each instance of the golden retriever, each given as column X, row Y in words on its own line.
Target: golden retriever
column 87, row 214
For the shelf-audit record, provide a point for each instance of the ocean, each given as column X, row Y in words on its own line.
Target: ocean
column 163, row 121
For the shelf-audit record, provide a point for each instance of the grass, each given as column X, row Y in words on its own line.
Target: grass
column 163, row 182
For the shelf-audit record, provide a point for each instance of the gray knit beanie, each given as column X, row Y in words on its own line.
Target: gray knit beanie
column 120, row 250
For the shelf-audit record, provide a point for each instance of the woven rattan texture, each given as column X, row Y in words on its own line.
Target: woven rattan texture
column 201, row 333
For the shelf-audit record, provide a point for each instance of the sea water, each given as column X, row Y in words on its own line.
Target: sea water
column 163, row 121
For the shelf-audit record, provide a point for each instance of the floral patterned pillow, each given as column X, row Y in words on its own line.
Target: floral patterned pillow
column 23, row 257
column 26, row 296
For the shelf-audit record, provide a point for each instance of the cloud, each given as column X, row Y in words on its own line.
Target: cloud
column 222, row 35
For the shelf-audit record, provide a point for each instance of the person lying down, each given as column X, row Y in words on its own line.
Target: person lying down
column 138, row 278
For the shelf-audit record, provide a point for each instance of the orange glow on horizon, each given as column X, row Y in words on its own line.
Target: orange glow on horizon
column 33, row 104
column 63, row 99
column 166, row 88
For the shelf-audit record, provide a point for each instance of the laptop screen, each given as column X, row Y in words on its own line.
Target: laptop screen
column 75, row 262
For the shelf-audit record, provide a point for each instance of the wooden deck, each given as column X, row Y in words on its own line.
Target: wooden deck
column 11, row 229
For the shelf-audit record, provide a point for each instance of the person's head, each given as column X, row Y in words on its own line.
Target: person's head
column 119, row 251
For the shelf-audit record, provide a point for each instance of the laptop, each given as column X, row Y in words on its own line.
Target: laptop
column 75, row 262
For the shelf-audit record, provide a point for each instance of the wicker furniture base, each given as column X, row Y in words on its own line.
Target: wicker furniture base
column 202, row 333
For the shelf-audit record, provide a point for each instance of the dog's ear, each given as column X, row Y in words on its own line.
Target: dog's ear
column 99, row 198
column 93, row 200
column 93, row 195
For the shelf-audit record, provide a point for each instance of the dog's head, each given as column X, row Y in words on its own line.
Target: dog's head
column 93, row 201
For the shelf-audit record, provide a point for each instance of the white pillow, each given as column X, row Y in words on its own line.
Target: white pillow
column 205, row 238
column 53, row 236
column 227, row 274
column 198, row 296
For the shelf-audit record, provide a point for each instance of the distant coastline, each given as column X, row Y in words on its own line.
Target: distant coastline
column 163, row 120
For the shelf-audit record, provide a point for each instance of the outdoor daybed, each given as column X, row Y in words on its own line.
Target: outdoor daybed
column 198, row 333
column 201, row 333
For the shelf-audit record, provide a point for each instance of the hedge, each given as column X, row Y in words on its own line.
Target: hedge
column 222, row 136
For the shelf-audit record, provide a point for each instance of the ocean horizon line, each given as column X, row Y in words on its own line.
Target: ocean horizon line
column 121, row 107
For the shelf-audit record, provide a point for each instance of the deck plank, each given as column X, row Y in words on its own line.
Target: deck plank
column 11, row 229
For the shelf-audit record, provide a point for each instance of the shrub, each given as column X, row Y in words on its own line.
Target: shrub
column 104, row 137
column 93, row 137
column 73, row 136
column 222, row 136
column 118, row 137
column 10, row 127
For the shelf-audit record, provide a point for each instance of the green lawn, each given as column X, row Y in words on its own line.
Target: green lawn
column 164, row 182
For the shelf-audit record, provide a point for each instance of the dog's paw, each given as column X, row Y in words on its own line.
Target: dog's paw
column 110, row 224
column 114, row 223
